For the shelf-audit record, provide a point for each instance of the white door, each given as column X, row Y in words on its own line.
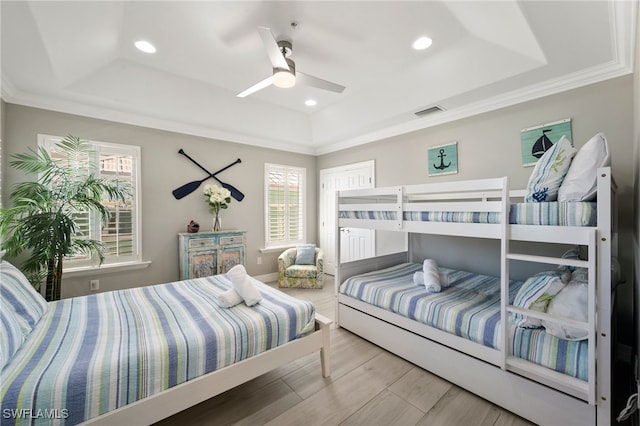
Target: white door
column 355, row 243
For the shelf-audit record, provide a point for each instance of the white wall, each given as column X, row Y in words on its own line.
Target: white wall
column 489, row 146
column 163, row 170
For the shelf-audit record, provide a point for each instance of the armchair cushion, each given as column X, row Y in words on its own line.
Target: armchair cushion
column 301, row 271
column 306, row 254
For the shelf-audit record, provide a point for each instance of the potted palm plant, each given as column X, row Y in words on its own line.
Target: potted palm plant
column 43, row 213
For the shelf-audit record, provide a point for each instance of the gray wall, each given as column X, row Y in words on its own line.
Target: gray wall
column 163, row 170
column 489, row 146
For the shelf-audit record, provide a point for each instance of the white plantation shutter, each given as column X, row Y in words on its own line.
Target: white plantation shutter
column 285, row 194
column 121, row 234
column 79, row 166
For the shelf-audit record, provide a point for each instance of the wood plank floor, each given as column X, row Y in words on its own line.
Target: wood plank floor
column 368, row 386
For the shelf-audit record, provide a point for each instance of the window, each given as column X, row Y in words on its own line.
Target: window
column 121, row 235
column 285, row 207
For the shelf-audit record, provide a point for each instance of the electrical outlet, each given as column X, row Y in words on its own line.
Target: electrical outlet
column 95, row 284
column 259, row 260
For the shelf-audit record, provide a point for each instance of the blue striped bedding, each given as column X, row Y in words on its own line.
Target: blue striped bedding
column 90, row 355
column 469, row 308
column 548, row 213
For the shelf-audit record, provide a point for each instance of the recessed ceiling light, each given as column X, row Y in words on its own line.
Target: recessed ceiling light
column 145, row 46
column 422, row 43
column 310, row 102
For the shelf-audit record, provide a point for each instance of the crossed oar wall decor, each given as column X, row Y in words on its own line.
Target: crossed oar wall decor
column 189, row 187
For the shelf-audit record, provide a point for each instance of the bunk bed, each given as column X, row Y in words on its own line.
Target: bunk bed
column 377, row 299
column 142, row 354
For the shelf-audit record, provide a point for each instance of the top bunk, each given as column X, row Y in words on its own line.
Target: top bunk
column 476, row 208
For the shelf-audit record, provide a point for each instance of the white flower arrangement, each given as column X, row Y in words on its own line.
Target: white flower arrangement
column 217, row 198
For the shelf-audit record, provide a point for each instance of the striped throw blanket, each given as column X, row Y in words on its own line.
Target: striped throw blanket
column 469, row 308
column 90, row 355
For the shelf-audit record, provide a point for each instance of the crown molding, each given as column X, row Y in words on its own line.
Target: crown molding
column 11, row 95
column 576, row 80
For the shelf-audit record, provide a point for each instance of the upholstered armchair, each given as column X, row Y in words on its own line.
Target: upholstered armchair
column 293, row 274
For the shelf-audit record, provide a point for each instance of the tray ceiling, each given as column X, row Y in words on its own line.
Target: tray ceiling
column 79, row 58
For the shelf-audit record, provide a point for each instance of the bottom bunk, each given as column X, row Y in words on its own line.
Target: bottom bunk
column 456, row 334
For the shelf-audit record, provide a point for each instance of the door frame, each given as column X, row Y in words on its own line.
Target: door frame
column 370, row 164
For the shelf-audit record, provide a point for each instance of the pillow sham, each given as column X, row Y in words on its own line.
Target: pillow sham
column 580, row 183
column 27, row 304
column 536, row 294
column 306, row 254
column 571, row 302
column 549, row 172
column 11, row 335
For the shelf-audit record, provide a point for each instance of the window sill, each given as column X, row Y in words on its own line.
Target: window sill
column 276, row 249
column 105, row 269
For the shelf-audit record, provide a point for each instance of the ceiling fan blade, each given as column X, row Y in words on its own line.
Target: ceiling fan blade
column 310, row 80
column 258, row 86
column 275, row 55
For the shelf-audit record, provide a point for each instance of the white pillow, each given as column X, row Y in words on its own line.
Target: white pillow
column 581, row 180
column 571, row 302
column 550, row 170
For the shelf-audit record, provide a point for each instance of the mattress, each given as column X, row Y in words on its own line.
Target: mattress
column 548, row 213
column 469, row 308
column 90, row 355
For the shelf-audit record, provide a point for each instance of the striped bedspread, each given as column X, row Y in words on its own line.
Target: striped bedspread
column 554, row 213
column 90, row 355
column 565, row 356
column 469, row 308
column 549, row 213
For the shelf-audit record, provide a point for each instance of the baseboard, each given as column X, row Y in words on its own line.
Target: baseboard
column 267, row 278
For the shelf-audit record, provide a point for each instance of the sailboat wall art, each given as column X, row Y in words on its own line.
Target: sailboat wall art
column 443, row 159
column 538, row 139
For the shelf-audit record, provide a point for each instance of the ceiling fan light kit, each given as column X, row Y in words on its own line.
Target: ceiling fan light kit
column 284, row 68
column 285, row 78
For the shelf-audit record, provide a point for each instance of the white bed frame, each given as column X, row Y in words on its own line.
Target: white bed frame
column 529, row 390
column 173, row 400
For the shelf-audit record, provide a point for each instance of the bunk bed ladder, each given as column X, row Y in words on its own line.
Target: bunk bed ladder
column 589, row 391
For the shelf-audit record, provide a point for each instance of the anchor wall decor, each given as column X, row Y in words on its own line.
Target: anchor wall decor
column 443, row 159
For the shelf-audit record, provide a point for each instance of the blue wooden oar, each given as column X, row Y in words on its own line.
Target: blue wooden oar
column 189, row 187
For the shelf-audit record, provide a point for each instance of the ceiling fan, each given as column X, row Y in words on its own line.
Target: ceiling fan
column 284, row 69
